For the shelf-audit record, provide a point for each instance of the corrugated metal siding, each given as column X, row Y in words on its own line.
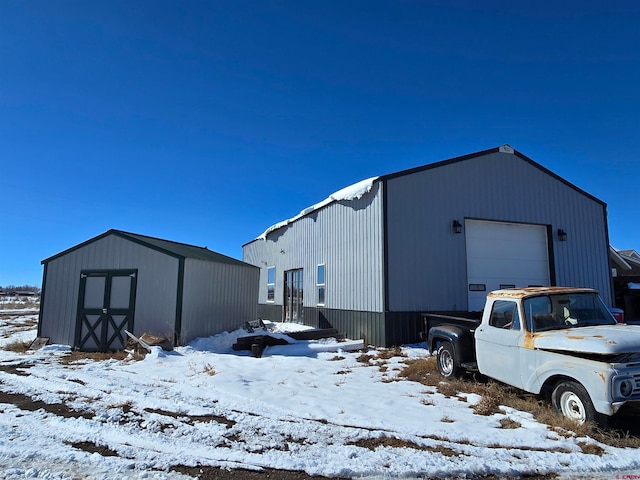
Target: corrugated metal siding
column 402, row 328
column 345, row 236
column 427, row 262
column 368, row 326
column 217, row 297
column 156, row 289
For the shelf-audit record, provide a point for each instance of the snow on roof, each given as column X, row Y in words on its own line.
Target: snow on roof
column 352, row 192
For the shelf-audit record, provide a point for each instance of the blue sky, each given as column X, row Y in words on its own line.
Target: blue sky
column 207, row 122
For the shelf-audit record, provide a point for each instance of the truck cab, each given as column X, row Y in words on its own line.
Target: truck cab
column 559, row 340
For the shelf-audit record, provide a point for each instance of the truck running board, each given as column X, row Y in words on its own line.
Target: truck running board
column 470, row 366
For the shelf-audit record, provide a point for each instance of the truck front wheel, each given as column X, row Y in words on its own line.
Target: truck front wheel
column 570, row 399
column 446, row 360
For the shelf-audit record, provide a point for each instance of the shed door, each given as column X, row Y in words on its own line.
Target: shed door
column 105, row 309
column 503, row 255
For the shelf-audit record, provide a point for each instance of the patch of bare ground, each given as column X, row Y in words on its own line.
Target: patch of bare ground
column 24, row 402
column 193, row 418
column 16, row 369
column 373, row 443
column 91, row 447
column 215, row 473
column 624, row 431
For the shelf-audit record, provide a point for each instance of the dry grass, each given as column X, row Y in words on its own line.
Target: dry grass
column 387, row 353
column 365, row 358
column 78, row 356
column 509, row 424
column 18, row 346
column 488, row 405
column 422, row 370
column 494, row 394
column 209, row 370
column 26, row 302
column 337, row 358
column 591, row 448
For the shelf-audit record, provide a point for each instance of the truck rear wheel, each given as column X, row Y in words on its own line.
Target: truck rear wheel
column 570, row 399
column 446, row 360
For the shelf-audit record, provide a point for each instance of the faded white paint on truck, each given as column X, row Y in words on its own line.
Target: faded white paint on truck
column 536, row 337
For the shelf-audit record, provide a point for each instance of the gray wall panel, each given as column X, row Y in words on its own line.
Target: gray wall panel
column 156, row 290
column 217, row 297
column 347, row 237
column 367, row 326
column 427, row 262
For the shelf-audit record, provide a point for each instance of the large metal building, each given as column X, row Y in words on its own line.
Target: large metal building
column 372, row 258
column 121, row 281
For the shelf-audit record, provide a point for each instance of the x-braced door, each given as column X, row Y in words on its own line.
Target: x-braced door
column 105, row 309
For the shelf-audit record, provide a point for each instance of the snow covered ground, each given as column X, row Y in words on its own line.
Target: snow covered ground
column 296, row 408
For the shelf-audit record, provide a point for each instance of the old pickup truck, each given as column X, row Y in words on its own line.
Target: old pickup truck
column 559, row 341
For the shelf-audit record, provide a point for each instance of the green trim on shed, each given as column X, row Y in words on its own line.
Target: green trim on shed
column 174, row 249
column 180, row 251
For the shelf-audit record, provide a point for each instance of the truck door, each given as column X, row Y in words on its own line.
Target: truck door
column 498, row 343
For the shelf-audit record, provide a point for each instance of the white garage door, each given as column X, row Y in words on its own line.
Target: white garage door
column 503, row 255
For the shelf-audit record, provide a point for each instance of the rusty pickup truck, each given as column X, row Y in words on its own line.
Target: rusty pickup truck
column 559, row 341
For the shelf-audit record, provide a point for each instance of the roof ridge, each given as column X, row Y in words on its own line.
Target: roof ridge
column 139, row 235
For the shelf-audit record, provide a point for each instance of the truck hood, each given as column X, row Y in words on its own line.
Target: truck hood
column 601, row 339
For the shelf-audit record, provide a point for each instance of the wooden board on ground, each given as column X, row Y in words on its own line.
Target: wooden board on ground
column 38, row 343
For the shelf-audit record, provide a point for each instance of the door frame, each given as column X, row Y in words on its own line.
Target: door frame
column 296, row 275
column 102, row 339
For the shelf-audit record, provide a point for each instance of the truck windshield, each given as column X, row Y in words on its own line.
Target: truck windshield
column 549, row 312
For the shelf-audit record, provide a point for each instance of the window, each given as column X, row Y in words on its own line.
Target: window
column 320, row 284
column 271, row 284
column 504, row 314
column 565, row 311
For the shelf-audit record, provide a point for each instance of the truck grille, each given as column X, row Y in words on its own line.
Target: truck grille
column 636, row 385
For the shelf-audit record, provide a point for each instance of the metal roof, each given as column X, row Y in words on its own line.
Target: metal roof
column 431, row 166
column 174, row 249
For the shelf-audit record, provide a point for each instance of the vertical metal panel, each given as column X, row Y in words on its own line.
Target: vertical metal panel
column 345, row 236
column 156, row 290
column 217, row 297
column 427, row 267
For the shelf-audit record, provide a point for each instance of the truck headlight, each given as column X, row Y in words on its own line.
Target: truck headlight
column 625, row 387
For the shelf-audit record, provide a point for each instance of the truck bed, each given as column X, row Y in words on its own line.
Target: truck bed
column 469, row 320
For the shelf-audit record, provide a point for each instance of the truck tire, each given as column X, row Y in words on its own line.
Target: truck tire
column 571, row 400
column 446, row 360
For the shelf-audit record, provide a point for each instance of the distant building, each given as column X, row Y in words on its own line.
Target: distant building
column 626, row 281
column 370, row 259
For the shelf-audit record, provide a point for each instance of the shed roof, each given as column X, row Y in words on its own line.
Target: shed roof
column 174, row 249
